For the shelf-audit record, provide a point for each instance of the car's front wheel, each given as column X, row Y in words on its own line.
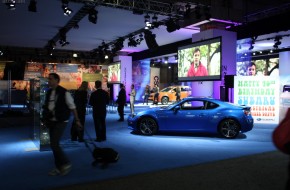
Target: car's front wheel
column 229, row 128
column 164, row 100
column 148, row 126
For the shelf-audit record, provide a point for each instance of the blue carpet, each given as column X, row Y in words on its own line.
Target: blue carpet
column 24, row 167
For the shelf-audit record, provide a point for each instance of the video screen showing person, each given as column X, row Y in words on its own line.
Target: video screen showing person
column 200, row 61
column 259, row 67
column 114, row 73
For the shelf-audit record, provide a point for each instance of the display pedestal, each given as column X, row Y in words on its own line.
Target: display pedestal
column 40, row 133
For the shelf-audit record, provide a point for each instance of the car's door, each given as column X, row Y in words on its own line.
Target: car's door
column 190, row 117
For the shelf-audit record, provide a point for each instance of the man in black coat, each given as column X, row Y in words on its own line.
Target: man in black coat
column 99, row 100
column 121, row 101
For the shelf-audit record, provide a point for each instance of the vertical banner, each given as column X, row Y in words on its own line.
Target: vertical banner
column 261, row 94
column 154, row 76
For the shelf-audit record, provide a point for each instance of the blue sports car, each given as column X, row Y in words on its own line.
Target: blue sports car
column 194, row 115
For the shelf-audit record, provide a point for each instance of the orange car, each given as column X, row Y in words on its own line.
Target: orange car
column 168, row 94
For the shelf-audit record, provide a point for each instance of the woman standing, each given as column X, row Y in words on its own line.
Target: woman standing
column 132, row 98
column 81, row 100
column 146, row 94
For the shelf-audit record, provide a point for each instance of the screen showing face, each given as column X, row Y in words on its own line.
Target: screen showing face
column 200, row 61
column 259, row 67
column 114, row 72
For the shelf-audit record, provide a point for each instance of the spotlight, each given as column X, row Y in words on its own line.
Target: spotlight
column 62, row 37
column 171, row 25
column 150, row 40
column 277, row 42
column 10, row 4
column 93, row 15
column 32, row 6
column 66, row 11
column 147, row 18
column 132, row 42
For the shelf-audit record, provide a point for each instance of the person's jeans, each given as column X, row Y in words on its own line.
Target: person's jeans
column 56, row 130
column 146, row 99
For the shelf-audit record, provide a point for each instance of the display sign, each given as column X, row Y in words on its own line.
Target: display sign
column 92, row 77
column 261, row 94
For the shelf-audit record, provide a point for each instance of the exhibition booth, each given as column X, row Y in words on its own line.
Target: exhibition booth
column 268, row 95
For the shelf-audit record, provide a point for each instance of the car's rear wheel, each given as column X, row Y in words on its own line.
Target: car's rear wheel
column 164, row 100
column 229, row 128
column 148, row 126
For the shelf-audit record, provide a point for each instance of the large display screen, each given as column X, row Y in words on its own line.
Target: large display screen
column 200, row 61
column 267, row 66
column 114, row 72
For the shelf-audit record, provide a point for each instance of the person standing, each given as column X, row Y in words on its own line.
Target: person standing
column 177, row 94
column 57, row 108
column 196, row 67
column 121, row 101
column 80, row 100
column 146, row 94
column 99, row 100
column 132, row 98
column 156, row 95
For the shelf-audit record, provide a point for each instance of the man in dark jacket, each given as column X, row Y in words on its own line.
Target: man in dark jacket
column 56, row 113
column 99, row 100
column 121, row 101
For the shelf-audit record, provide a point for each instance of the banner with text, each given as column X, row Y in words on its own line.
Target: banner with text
column 261, row 94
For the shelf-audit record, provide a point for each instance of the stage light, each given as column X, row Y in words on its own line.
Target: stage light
column 93, row 16
column 62, row 37
column 150, row 40
column 131, row 41
column 277, row 42
column 66, row 10
column 32, row 6
column 171, row 25
column 11, row 4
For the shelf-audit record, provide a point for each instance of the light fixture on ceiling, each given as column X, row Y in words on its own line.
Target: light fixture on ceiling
column 66, row 10
column 277, row 42
column 62, row 37
column 252, row 42
column 132, row 41
column 171, row 25
column 11, row 4
column 165, row 60
column 150, row 40
column 155, row 23
column 148, row 24
column 93, row 15
column 32, row 6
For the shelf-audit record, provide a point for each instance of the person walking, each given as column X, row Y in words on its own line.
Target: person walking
column 146, row 94
column 121, row 101
column 99, row 100
column 57, row 108
column 80, row 100
column 132, row 98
